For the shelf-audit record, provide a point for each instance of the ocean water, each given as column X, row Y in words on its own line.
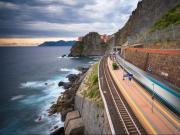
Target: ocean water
column 24, row 97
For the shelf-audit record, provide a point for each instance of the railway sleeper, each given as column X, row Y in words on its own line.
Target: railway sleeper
column 128, row 122
column 125, row 116
column 123, row 113
column 121, row 108
column 130, row 126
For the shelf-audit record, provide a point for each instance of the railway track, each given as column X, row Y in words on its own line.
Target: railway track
column 124, row 114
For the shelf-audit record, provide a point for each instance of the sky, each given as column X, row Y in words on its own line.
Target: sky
column 66, row 19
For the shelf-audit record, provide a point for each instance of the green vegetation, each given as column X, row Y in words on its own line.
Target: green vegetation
column 115, row 66
column 171, row 17
column 92, row 91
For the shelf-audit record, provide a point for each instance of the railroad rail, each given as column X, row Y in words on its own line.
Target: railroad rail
column 122, row 113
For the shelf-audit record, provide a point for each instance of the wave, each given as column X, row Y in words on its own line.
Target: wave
column 73, row 57
column 71, row 71
column 49, row 90
column 91, row 62
column 17, row 97
column 33, row 84
column 60, row 57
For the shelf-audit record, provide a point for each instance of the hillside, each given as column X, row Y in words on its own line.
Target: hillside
column 171, row 17
column 143, row 18
column 58, row 43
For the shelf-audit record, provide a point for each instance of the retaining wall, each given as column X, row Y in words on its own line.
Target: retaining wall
column 164, row 63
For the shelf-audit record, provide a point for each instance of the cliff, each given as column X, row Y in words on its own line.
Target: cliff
column 58, row 43
column 88, row 103
column 141, row 21
column 91, row 44
column 143, row 18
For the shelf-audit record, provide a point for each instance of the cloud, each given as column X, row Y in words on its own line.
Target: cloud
column 7, row 5
column 62, row 18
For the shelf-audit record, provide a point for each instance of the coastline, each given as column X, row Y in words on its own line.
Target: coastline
column 65, row 101
column 80, row 105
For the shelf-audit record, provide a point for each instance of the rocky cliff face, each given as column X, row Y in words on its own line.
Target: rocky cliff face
column 144, row 16
column 89, row 115
column 142, row 19
column 91, row 44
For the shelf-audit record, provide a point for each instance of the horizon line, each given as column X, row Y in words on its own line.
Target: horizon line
column 11, row 41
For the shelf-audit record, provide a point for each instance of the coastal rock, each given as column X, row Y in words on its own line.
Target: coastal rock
column 55, row 127
column 65, row 102
column 59, row 131
column 72, row 77
column 83, row 69
column 64, row 55
column 60, row 83
column 66, row 85
column 90, row 45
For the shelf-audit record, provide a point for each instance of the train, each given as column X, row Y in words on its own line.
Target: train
column 159, row 90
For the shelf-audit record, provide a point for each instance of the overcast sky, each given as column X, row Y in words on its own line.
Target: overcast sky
column 62, row 18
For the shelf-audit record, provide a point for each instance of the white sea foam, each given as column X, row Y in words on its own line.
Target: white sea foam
column 38, row 84
column 71, row 71
column 17, row 97
column 50, row 91
column 33, row 84
column 60, row 57
column 73, row 57
column 91, row 62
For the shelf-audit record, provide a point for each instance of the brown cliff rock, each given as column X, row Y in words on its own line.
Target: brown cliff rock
column 91, row 44
column 143, row 17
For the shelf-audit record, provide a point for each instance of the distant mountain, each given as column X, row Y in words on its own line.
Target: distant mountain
column 58, row 43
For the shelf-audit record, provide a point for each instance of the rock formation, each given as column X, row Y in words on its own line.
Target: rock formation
column 91, row 44
column 142, row 18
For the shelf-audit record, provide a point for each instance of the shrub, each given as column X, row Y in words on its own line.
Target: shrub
column 92, row 89
column 171, row 17
column 115, row 66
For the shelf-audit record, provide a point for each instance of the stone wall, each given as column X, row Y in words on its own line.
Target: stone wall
column 91, row 110
column 166, row 66
column 94, row 118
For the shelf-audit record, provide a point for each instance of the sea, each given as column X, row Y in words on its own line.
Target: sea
column 24, row 95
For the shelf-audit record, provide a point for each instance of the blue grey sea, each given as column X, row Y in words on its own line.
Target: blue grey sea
column 24, row 97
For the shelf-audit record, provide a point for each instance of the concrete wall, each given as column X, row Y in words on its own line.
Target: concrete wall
column 94, row 117
column 166, row 66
